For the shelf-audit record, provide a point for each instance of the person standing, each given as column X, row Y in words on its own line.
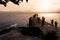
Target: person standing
column 56, row 24
column 32, row 20
column 43, row 21
column 52, row 21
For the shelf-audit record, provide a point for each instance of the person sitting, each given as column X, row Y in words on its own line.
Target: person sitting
column 31, row 21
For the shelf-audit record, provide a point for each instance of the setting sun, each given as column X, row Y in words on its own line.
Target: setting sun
column 45, row 6
column 47, row 15
column 48, row 6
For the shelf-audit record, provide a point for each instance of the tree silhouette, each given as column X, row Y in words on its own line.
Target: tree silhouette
column 13, row 1
column 3, row 3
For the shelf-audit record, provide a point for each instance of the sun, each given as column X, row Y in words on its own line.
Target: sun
column 44, row 6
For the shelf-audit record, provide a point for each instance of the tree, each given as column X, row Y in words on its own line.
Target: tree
column 13, row 1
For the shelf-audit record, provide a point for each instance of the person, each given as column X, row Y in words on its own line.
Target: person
column 33, row 20
column 55, row 24
column 43, row 20
column 30, row 21
column 38, row 19
column 52, row 21
column 2, row 2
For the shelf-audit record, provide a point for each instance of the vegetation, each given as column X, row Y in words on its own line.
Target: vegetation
column 51, row 35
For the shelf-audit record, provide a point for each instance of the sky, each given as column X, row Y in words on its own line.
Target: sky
column 33, row 6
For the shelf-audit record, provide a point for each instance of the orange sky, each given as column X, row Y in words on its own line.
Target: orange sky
column 33, row 6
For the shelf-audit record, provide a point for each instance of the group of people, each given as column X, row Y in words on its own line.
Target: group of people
column 34, row 20
column 4, row 2
column 54, row 23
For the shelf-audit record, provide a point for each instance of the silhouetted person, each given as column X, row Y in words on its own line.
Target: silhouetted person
column 33, row 20
column 15, row 1
column 55, row 24
column 39, row 20
column 30, row 21
column 52, row 21
column 43, row 21
column 2, row 2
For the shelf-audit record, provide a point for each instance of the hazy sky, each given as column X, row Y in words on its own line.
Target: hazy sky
column 33, row 6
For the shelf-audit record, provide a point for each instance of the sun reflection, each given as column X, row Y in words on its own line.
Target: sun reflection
column 47, row 15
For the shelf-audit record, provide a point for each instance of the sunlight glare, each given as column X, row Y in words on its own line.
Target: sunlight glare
column 44, row 6
column 47, row 15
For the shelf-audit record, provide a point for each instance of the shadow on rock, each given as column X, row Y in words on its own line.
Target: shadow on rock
column 51, row 35
column 32, row 31
column 5, row 31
